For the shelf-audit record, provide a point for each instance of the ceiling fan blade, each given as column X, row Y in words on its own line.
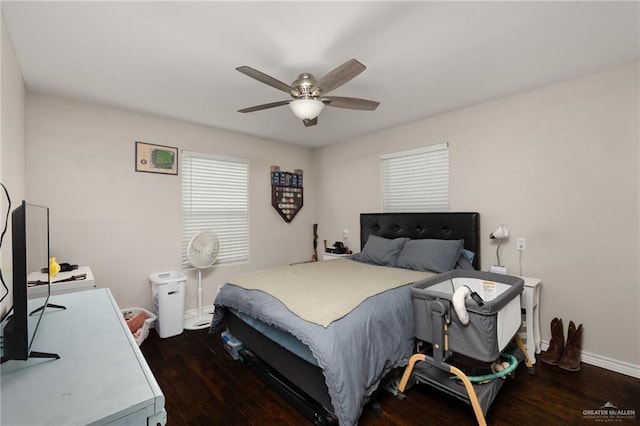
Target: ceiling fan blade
column 309, row 123
column 338, row 76
column 350, row 103
column 264, row 78
column 264, row 106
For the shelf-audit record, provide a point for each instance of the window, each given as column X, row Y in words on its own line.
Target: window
column 214, row 197
column 416, row 180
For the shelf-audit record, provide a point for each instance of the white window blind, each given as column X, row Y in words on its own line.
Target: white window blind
column 214, row 197
column 416, row 180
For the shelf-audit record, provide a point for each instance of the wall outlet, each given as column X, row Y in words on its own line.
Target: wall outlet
column 345, row 234
column 522, row 243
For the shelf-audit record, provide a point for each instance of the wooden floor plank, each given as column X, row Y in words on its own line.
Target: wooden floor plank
column 203, row 385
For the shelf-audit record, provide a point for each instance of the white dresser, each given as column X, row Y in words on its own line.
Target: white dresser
column 101, row 377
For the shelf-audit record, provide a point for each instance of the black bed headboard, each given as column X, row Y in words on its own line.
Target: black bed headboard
column 442, row 226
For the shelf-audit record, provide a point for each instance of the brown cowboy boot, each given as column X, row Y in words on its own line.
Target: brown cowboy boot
column 570, row 360
column 554, row 352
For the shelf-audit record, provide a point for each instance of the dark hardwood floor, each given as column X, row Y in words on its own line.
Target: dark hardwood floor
column 203, row 385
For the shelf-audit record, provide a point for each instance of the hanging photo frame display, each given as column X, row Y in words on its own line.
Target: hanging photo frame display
column 286, row 192
column 154, row 158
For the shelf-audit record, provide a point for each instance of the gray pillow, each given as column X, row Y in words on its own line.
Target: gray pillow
column 430, row 255
column 380, row 251
column 468, row 254
column 463, row 263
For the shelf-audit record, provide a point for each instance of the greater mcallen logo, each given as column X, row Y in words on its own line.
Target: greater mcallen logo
column 609, row 413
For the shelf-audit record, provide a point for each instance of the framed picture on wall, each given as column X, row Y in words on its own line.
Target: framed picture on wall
column 156, row 158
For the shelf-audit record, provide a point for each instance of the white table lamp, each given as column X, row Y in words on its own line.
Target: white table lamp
column 501, row 233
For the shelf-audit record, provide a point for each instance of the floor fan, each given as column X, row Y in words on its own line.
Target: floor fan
column 202, row 252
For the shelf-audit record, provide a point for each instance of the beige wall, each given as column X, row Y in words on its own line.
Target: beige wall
column 12, row 146
column 559, row 166
column 126, row 224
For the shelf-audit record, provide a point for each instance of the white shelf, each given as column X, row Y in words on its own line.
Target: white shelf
column 62, row 287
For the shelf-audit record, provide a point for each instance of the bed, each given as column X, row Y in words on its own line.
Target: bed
column 329, row 356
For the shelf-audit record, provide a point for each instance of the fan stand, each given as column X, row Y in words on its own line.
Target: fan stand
column 200, row 320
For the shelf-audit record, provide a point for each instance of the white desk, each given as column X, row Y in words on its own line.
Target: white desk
column 62, row 287
column 530, row 302
column 101, row 377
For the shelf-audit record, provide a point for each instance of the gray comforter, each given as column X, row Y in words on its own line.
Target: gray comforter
column 354, row 352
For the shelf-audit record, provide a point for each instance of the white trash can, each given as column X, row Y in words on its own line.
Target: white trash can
column 167, row 290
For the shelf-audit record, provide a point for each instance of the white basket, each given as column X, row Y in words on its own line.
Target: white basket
column 148, row 323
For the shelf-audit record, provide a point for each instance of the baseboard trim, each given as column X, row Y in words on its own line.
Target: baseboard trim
column 611, row 364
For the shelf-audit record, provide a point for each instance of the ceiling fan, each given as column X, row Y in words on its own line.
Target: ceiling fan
column 309, row 94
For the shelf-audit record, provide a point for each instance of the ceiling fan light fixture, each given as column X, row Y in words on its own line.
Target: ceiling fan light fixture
column 306, row 109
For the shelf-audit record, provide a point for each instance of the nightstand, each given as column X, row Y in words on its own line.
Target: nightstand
column 530, row 302
column 333, row 256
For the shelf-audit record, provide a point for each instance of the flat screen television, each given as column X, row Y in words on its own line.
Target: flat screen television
column 30, row 249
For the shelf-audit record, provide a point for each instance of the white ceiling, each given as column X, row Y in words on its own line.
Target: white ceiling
column 178, row 59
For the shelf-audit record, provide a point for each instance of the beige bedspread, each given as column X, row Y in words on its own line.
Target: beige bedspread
column 323, row 292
